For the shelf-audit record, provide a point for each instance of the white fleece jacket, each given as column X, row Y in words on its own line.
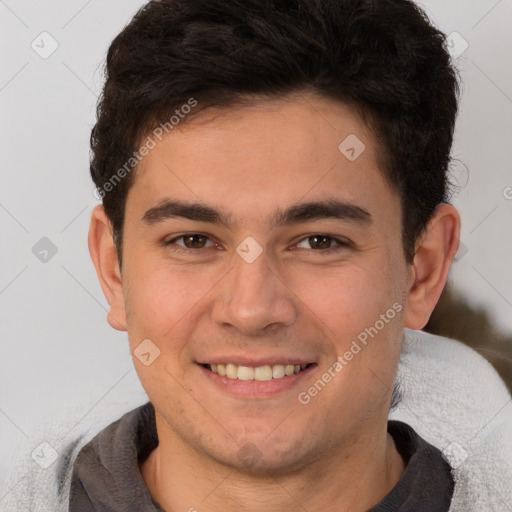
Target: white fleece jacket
column 452, row 397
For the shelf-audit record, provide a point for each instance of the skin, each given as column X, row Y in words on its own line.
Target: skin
column 295, row 299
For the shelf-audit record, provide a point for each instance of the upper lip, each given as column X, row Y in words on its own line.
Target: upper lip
column 239, row 360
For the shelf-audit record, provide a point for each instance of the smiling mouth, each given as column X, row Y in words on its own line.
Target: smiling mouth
column 258, row 373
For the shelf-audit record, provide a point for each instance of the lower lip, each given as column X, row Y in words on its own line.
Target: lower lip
column 255, row 388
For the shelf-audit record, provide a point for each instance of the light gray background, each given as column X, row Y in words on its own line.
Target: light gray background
column 60, row 361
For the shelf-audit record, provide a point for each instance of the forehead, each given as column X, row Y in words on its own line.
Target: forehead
column 251, row 158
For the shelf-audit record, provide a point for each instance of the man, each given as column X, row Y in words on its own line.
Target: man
column 274, row 219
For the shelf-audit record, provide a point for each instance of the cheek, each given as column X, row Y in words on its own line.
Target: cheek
column 345, row 299
column 160, row 299
column 359, row 311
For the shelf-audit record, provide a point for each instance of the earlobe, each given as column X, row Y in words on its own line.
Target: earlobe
column 434, row 254
column 104, row 256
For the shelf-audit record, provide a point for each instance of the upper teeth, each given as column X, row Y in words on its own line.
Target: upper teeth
column 261, row 373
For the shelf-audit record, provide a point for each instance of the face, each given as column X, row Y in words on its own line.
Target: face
column 251, row 239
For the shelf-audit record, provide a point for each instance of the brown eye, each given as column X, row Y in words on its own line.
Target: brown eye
column 195, row 241
column 320, row 241
column 190, row 241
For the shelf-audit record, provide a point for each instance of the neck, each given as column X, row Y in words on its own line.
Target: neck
column 349, row 479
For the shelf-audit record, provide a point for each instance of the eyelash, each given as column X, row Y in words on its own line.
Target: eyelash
column 341, row 244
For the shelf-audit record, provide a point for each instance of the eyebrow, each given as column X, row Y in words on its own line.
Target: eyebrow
column 295, row 214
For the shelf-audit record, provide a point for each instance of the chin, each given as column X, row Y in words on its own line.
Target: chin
column 260, row 456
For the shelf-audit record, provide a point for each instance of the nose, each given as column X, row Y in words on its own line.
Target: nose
column 253, row 297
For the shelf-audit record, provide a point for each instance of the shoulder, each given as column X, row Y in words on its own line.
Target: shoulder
column 445, row 351
column 443, row 375
column 449, row 385
column 456, row 401
column 40, row 488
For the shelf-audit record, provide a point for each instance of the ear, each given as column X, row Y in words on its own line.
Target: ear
column 104, row 256
column 429, row 270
